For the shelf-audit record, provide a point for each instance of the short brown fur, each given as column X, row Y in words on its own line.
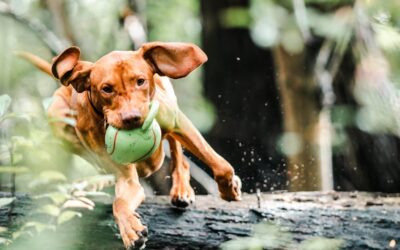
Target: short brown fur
column 117, row 90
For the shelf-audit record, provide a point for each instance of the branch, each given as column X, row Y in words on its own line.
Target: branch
column 360, row 220
column 52, row 42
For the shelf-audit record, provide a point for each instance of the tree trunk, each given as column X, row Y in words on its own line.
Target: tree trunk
column 361, row 220
column 301, row 109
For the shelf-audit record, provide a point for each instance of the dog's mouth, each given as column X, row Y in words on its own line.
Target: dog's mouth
column 123, row 126
column 127, row 120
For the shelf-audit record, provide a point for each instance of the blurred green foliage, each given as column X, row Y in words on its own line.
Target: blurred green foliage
column 58, row 187
column 269, row 236
column 31, row 159
column 366, row 29
column 179, row 20
column 37, row 163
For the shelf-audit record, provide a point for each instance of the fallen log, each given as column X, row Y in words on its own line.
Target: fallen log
column 360, row 220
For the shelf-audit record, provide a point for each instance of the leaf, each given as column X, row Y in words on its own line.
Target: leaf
column 98, row 182
column 20, row 141
column 47, row 177
column 69, row 121
column 67, row 216
column 38, row 226
column 3, row 229
column 78, row 204
column 5, row 101
column 18, row 234
column 39, row 135
column 53, row 176
column 4, row 241
column 57, row 197
column 13, row 169
column 17, row 158
column 87, row 201
column 49, row 209
column 92, row 194
column 4, row 153
column 320, row 243
column 6, row 201
column 235, row 17
column 387, row 36
column 47, row 102
column 243, row 243
column 98, row 196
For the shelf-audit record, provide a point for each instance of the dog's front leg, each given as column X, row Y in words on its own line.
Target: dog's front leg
column 228, row 183
column 181, row 193
column 128, row 196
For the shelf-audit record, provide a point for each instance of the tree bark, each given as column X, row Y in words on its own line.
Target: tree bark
column 361, row 220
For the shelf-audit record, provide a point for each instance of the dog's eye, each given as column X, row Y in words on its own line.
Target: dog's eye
column 107, row 89
column 140, row 82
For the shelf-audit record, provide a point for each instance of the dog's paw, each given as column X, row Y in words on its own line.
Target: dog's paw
column 230, row 188
column 182, row 195
column 133, row 233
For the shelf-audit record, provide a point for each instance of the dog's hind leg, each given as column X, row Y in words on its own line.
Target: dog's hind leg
column 182, row 194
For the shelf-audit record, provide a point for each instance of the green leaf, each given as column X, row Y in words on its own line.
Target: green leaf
column 38, row 226
column 6, row 201
column 13, row 169
column 53, row 176
column 387, row 36
column 17, row 158
column 47, row 102
column 47, row 177
column 95, row 194
column 3, row 229
column 18, row 234
column 4, row 153
column 39, row 135
column 4, row 241
column 69, row 121
column 320, row 243
column 57, row 197
column 20, row 141
column 252, row 243
column 5, row 101
column 49, row 209
column 67, row 216
column 235, row 17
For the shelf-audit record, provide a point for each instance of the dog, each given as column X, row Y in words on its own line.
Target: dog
column 116, row 90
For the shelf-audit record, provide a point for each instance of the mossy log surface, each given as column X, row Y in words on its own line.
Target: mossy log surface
column 361, row 220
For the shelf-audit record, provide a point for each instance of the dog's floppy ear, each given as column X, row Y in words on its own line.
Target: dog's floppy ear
column 174, row 60
column 69, row 70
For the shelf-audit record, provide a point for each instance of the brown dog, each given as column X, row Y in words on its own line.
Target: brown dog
column 117, row 90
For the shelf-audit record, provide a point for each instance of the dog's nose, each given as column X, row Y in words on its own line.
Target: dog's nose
column 131, row 119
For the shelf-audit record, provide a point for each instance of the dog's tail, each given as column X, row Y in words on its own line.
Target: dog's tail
column 40, row 63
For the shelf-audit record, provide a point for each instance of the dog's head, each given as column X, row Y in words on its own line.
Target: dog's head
column 121, row 83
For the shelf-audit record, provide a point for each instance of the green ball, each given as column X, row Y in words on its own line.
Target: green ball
column 129, row 146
